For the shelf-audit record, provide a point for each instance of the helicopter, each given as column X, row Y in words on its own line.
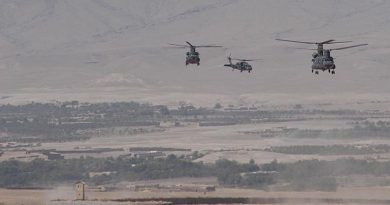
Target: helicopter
column 322, row 60
column 192, row 57
column 242, row 65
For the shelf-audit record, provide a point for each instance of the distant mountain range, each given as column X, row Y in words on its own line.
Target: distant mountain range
column 102, row 48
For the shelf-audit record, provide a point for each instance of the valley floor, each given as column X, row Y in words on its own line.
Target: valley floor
column 38, row 197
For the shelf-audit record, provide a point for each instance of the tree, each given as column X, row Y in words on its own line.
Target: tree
column 217, row 106
column 164, row 110
column 298, row 106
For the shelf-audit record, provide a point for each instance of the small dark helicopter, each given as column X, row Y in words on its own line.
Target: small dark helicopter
column 242, row 65
column 322, row 60
column 192, row 57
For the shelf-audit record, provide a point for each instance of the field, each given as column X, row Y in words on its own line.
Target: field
column 229, row 141
column 34, row 197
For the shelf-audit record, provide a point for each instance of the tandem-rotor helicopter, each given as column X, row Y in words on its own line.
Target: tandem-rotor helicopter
column 322, row 60
column 192, row 57
column 242, row 65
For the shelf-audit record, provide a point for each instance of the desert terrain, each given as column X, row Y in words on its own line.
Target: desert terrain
column 92, row 91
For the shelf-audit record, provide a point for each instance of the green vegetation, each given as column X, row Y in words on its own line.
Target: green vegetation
column 230, row 172
column 70, row 121
column 331, row 149
column 47, row 173
column 378, row 129
column 299, row 176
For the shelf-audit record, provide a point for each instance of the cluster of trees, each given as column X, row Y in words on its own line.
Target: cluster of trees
column 372, row 129
column 292, row 176
column 331, row 149
column 41, row 122
column 75, row 108
column 56, row 121
column 231, row 173
column 40, row 172
column 302, row 175
column 47, row 173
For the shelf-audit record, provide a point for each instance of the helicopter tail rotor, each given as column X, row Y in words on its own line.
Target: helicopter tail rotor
column 230, row 58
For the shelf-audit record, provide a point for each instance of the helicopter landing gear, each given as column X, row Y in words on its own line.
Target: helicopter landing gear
column 198, row 64
column 312, row 71
column 333, row 72
column 317, row 72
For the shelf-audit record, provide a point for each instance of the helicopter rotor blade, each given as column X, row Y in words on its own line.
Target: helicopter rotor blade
column 342, row 48
column 249, row 60
column 305, row 42
column 189, row 44
column 238, row 59
column 315, row 43
column 178, row 45
column 326, row 42
column 310, row 49
column 335, row 42
column 209, row 46
column 192, row 46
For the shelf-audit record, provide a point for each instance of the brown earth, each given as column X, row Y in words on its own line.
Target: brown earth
column 38, row 197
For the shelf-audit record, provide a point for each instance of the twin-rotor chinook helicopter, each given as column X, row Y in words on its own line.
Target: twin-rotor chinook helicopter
column 322, row 60
column 193, row 56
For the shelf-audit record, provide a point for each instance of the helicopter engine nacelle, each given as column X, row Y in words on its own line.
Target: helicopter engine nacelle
column 327, row 53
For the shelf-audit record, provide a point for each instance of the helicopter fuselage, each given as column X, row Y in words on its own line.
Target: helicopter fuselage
column 192, row 58
column 241, row 66
column 323, row 62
